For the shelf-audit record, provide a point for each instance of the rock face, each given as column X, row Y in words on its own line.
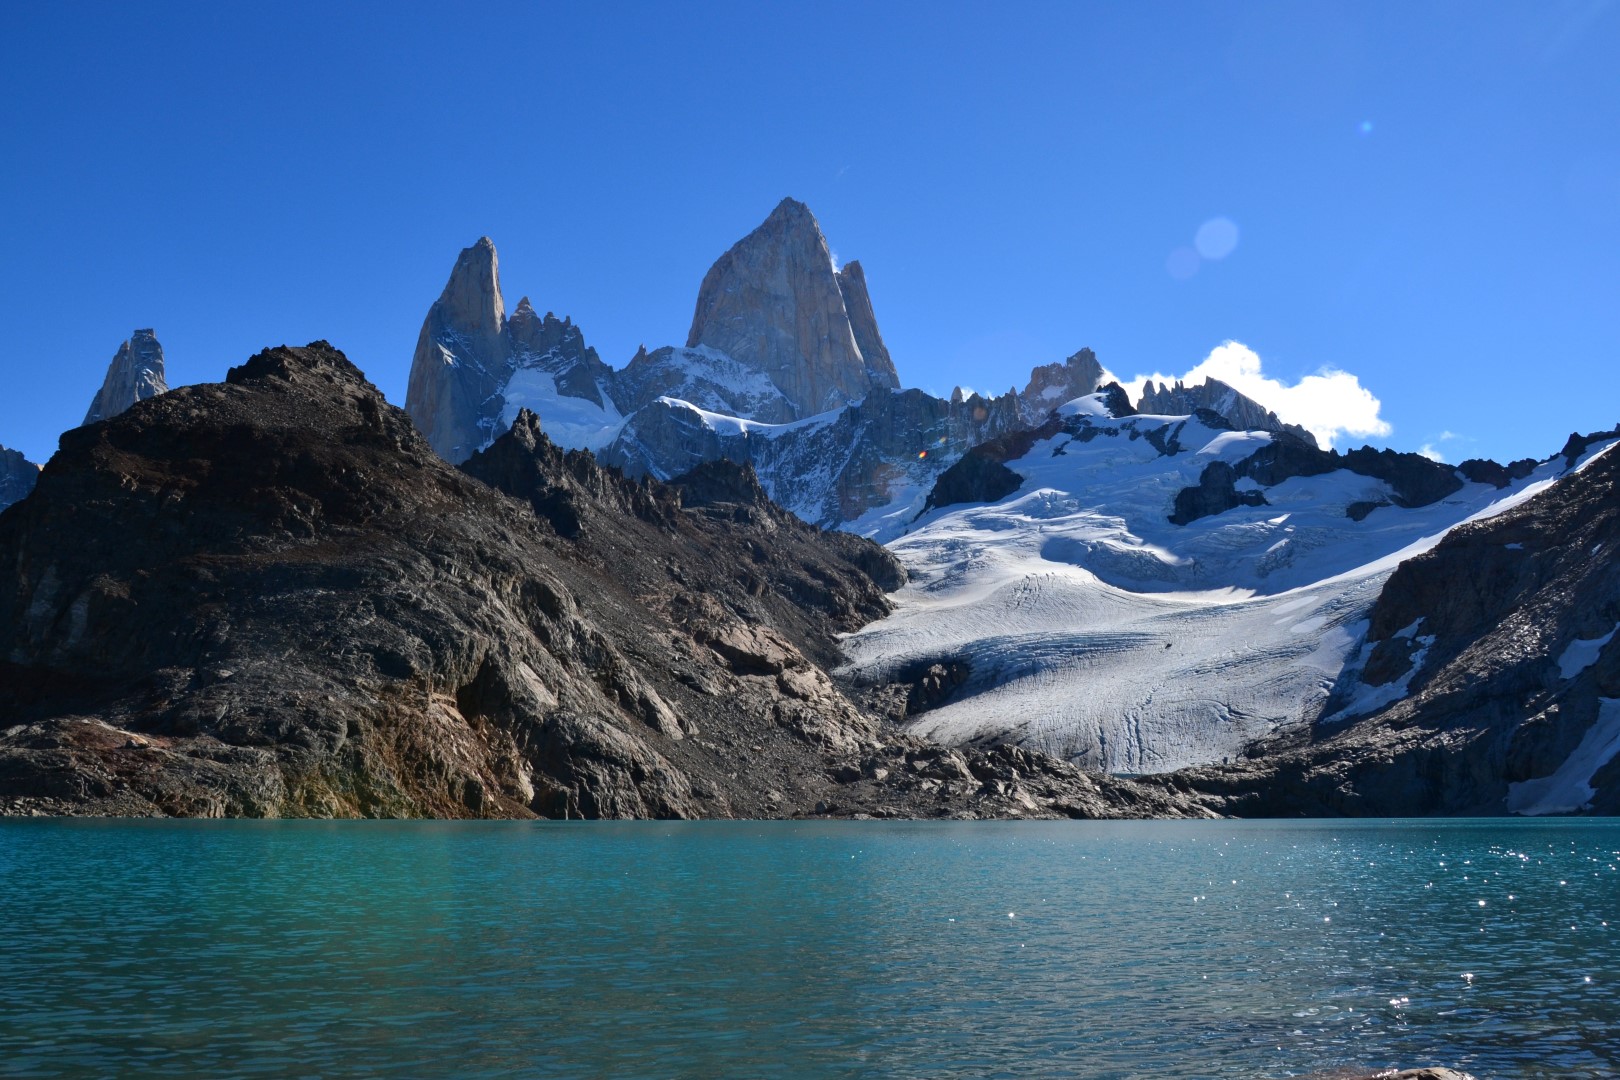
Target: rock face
column 135, row 374
column 271, row 597
column 702, row 377
column 1488, row 680
column 863, row 323
column 1241, row 411
column 18, row 476
column 460, row 358
column 866, row 468
column 473, row 367
column 1050, row 385
column 774, row 303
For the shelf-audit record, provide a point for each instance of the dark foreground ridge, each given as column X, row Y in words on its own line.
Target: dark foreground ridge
column 270, row 597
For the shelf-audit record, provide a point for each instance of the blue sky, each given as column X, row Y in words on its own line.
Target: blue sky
column 1426, row 196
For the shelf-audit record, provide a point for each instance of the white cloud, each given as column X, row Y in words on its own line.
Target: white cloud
column 1328, row 404
column 1428, row 449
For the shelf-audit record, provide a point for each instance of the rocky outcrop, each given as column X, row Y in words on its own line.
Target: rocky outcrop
column 1241, row 411
column 1486, row 471
column 18, row 476
column 135, row 374
column 981, row 474
column 1413, row 480
column 557, row 347
column 270, row 597
column 1050, row 385
column 775, row 303
column 474, row 367
column 1487, row 681
column 1215, row 493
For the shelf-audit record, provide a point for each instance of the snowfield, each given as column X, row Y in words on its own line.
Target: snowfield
column 1097, row 631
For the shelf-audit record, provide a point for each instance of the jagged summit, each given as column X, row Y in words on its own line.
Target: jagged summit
column 472, row 297
column 775, row 303
column 474, row 366
column 135, row 374
column 1242, row 411
column 1050, row 385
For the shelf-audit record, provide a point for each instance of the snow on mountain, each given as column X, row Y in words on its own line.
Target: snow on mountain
column 707, row 378
column 1079, row 620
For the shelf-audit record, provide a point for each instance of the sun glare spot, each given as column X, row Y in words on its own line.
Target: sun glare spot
column 1182, row 263
column 1217, row 238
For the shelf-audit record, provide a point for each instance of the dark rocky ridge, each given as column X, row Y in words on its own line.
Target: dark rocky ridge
column 271, row 597
column 1494, row 604
column 1414, row 479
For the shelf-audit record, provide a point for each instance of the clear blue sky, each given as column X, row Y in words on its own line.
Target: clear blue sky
column 1426, row 195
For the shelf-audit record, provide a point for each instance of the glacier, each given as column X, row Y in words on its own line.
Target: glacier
column 1094, row 629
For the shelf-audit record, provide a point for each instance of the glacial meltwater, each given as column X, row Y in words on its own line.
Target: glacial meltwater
column 822, row 949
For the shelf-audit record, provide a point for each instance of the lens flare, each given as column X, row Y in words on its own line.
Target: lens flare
column 1217, row 238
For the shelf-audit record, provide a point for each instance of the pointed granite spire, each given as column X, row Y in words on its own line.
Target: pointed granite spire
column 863, row 323
column 135, row 374
column 774, row 302
column 460, row 358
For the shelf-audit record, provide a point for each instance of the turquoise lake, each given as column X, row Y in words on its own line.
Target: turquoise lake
column 822, row 949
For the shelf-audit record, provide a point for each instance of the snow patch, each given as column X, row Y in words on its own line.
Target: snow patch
column 1580, row 655
column 1569, row 789
column 571, row 422
column 1366, row 700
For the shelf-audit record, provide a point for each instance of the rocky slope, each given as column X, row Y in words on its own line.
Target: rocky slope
column 18, row 476
column 271, row 597
column 1487, row 681
column 135, row 374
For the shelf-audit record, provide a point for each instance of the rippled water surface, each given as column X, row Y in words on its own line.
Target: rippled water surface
column 870, row 949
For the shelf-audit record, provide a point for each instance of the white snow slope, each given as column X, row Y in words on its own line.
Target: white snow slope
column 1098, row 631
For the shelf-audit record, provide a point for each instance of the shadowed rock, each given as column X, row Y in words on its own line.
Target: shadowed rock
column 18, row 476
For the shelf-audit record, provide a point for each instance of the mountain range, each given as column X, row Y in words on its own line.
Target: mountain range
column 658, row 590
